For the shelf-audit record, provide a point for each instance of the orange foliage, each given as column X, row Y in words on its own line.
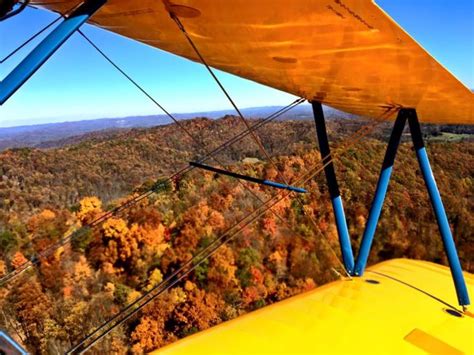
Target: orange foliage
column 221, row 272
column 269, row 225
column 3, row 268
column 257, row 275
column 32, row 308
column 150, row 333
column 18, row 260
column 200, row 311
column 44, row 216
column 118, row 244
column 89, row 208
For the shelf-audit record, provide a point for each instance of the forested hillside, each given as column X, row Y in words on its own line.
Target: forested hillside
column 47, row 193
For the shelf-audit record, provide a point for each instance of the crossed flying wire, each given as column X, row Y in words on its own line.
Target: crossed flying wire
column 133, row 308
column 255, row 137
column 48, row 251
column 186, row 131
column 38, row 33
column 180, row 273
column 248, row 129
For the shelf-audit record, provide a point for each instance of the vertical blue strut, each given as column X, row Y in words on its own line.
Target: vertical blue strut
column 437, row 203
column 380, row 192
column 341, row 223
column 46, row 48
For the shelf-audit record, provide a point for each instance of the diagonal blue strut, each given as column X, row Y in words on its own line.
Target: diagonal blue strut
column 46, row 48
column 380, row 192
column 440, row 213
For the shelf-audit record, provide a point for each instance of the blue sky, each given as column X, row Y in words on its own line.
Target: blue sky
column 77, row 83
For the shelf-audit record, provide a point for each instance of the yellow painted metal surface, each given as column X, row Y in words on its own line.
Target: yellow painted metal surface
column 348, row 54
column 405, row 313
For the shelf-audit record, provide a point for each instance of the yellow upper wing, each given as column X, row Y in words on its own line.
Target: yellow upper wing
column 347, row 54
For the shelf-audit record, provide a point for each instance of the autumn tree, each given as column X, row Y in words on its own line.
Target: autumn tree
column 151, row 332
column 199, row 311
column 221, row 275
column 32, row 308
column 89, row 209
column 18, row 260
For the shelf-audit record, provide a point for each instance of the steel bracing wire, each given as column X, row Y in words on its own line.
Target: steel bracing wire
column 29, row 40
column 35, row 35
column 127, row 204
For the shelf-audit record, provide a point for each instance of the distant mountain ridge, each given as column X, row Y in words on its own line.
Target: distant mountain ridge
column 35, row 135
column 51, row 135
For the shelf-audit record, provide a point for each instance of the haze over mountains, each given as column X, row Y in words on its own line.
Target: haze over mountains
column 35, row 135
column 50, row 135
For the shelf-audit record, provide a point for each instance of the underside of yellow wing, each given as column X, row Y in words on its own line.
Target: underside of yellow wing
column 347, row 54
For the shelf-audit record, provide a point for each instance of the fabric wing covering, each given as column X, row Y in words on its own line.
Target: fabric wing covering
column 347, row 54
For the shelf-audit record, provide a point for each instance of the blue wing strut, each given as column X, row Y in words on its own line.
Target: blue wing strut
column 404, row 115
column 47, row 48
